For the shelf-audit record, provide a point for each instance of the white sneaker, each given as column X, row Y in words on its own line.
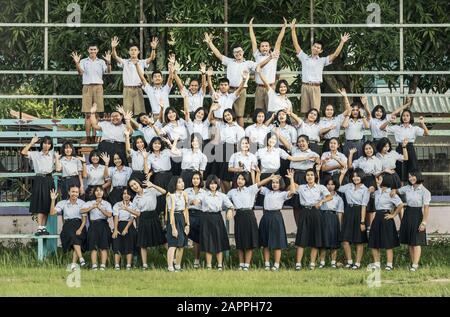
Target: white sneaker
column 102, row 267
column 116, row 267
column 94, row 267
column 73, row 266
column 128, row 267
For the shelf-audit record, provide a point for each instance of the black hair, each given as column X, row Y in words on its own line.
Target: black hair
column 324, row 109
column 166, row 114
column 137, row 180
column 281, row 81
column 199, row 138
column 201, row 179
column 46, row 139
column 360, row 173
column 94, row 189
column 282, row 184
column 121, row 156
column 231, row 111
column 335, row 183
column 318, row 114
column 418, row 176
column 268, row 136
column 288, row 119
column 316, row 177
column 156, row 72
column 135, row 141
column 212, row 179
column 72, row 186
column 92, row 44
column 172, row 186
column 138, row 117
column 385, row 182
column 195, row 79
column 356, row 104
column 379, row 107
column 411, row 120
column 236, row 46
column 205, row 111
column 64, row 146
column 337, row 140
column 382, row 143
column 129, row 192
column 224, row 80
column 94, row 153
column 257, row 112
column 155, row 139
column 303, row 136
column 246, row 177
column 372, row 145
column 320, row 43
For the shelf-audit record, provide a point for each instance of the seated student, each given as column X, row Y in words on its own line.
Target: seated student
column 144, row 124
column 139, row 156
column 71, row 168
column 354, row 126
column 73, row 233
column 389, row 159
column 117, row 175
column 94, row 173
column 195, row 94
column 309, row 127
column 133, row 99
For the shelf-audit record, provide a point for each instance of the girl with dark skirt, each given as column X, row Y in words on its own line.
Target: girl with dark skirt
column 245, row 225
column 192, row 160
column 283, row 123
column 73, row 234
column 383, row 233
column 272, row 231
column 243, row 162
column 99, row 233
column 406, row 130
column 310, row 127
column 43, row 165
column 140, row 164
column 332, row 213
column 177, row 223
column 414, row 221
column 389, row 160
column 195, row 211
column 124, row 235
column 72, row 169
column 94, row 173
column 332, row 162
column 150, row 231
column 118, row 176
column 213, row 233
column 354, row 126
column 309, row 227
column 354, row 225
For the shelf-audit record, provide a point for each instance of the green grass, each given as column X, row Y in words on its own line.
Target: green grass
column 22, row 275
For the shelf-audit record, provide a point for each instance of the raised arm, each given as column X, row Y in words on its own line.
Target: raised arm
column 351, row 152
column 53, row 196
column 342, row 175
column 423, row 126
column 252, row 36
column 345, row 121
column 365, row 103
column 292, row 186
column 127, row 142
column 107, row 58
column 171, row 68
column 210, row 74
column 204, row 82
column 76, row 59
column 343, row 93
column 386, row 123
column 58, row 166
column 403, row 107
column 215, row 106
column 179, row 83
column 213, row 48
column 297, row 47
column 280, row 36
column 344, row 38
column 27, row 147
column 242, row 84
column 105, row 157
column 154, row 46
column 364, row 119
column 187, row 117
column 114, row 44
column 263, row 78
column 140, row 72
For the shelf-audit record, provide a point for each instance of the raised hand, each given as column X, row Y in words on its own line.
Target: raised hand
column 393, row 117
column 208, row 38
column 57, row 156
column 345, row 37
column 172, row 58
column 203, row 68
column 154, row 43
column 105, row 157
column 216, row 96
column 343, row 92
column 353, row 150
column 76, row 57
column 290, row 174
column 210, row 71
column 251, row 22
column 285, row 22
column 128, row 115
column 379, row 180
column 82, row 159
column 364, row 100
column 53, row 194
column 293, row 24
column 34, row 140
column 114, row 42
column 107, row 57
column 421, row 120
column 120, row 109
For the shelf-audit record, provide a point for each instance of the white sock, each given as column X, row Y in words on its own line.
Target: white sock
column 350, row 261
column 177, row 267
column 378, row 264
column 247, row 265
column 40, row 227
column 357, row 264
column 266, row 263
column 312, row 264
column 82, row 260
column 209, row 266
column 196, row 261
column 102, row 265
column 323, row 262
column 170, row 268
column 332, row 262
column 277, row 265
column 128, row 265
column 389, row 264
column 298, row 264
column 241, row 264
column 415, row 266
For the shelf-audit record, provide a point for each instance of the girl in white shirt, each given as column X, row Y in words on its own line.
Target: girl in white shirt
column 258, row 131
column 389, row 159
column 354, row 126
column 310, row 127
column 94, row 173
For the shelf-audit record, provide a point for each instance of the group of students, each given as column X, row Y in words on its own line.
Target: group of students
column 159, row 198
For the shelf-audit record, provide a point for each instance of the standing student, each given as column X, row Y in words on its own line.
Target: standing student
column 150, row 232
column 73, row 234
column 310, row 127
column 354, row 225
column 283, row 123
column 195, row 212
column 332, row 162
column 43, row 165
column 272, row 231
column 124, row 236
column 195, row 94
column 94, row 173
column 92, row 70
column 414, row 220
column 243, row 162
column 389, row 159
column 118, row 175
column 138, row 155
column 277, row 98
column 199, row 123
column 312, row 68
column 213, row 233
column 406, row 130
column 270, row 70
column 245, row 225
column 257, row 132
column 332, row 213
column 113, row 132
column 71, row 168
column 383, row 233
column 133, row 99
column 99, row 233
column 312, row 196
column 177, row 223
column 354, row 126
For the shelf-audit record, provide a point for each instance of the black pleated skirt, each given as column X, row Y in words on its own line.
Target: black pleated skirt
column 115, row 195
column 66, row 183
column 161, row 179
column 213, row 233
column 299, row 178
column 150, row 231
column 246, row 229
column 314, row 146
column 383, row 234
column 260, row 197
column 181, row 240
column 40, row 194
column 351, row 226
column 139, row 175
column 331, row 230
column 409, row 228
column 392, row 180
column 99, row 235
column 68, row 235
column 403, row 168
column 369, row 180
column 212, row 167
column 272, row 231
column 325, row 177
column 194, row 223
column 309, row 229
column 223, row 173
column 186, row 175
column 125, row 244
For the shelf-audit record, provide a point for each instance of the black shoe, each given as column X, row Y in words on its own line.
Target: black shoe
column 38, row 233
column 45, row 232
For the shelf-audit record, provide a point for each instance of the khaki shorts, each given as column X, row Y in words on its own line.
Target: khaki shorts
column 261, row 98
column 133, row 100
column 239, row 104
column 92, row 94
column 310, row 98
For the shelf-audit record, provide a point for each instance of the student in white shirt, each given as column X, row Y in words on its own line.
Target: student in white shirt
column 270, row 70
column 195, row 93
column 354, row 126
column 94, row 175
column 197, row 122
column 92, row 69
column 71, row 168
column 332, row 162
column 257, row 132
column 244, row 162
column 139, row 156
column 117, row 175
column 133, row 99
column 282, row 121
column 310, row 127
column 389, row 159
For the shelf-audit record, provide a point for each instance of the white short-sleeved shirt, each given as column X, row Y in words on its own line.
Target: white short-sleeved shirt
column 130, row 75
column 95, row 174
column 119, row 178
column 155, row 94
column 161, row 162
column 355, row 129
column 146, row 202
column 112, row 132
column 309, row 196
column 235, row 69
column 312, row 130
column 70, row 210
column 312, row 67
column 409, row 132
column 328, row 122
column 355, row 196
column 225, row 101
column 257, row 134
column 96, row 214
column 178, row 130
column 375, row 124
column 277, row 102
column 148, row 131
column 192, row 195
column 389, row 159
column 178, row 199
column 289, row 133
column 243, row 198
column 42, row 163
column 370, row 165
column 93, row 70
column 193, row 160
column 416, row 197
column 230, row 133
column 270, row 160
column 326, row 156
column 269, row 71
column 199, row 127
column 215, row 202
column 195, row 101
column 336, row 204
column 274, row 200
column 137, row 160
column 123, row 215
column 303, row 165
column 249, row 161
column 384, row 201
column 70, row 167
